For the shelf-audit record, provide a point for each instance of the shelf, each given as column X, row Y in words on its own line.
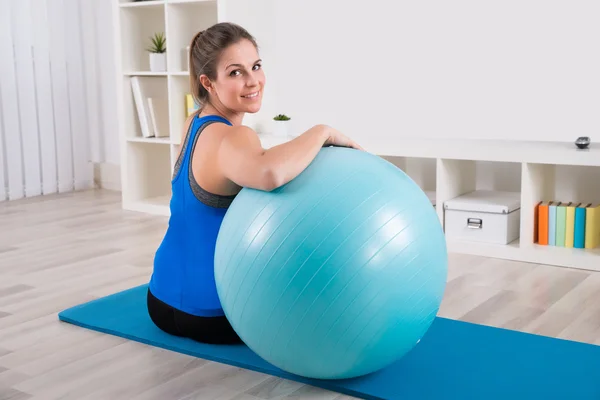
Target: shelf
column 155, row 87
column 587, row 259
column 561, row 173
column 179, row 86
column 560, row 153
column 147, row 162
column 154, row 140
column 548, row 182
column 190, row 1
column 144, row 73
column 138, row 25
column 184, row 20
column 420, row 170
column 460, row 176
column 146, row 175
column 142, row 4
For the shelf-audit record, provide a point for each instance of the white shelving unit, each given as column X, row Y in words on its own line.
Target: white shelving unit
column 446, row 168
column 147, row 163
column 537, row 170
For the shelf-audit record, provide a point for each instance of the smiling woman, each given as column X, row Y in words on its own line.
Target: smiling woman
column 231, row 48
column 218, row 158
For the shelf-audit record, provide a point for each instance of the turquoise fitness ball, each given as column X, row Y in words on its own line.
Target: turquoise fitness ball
column 336, row 274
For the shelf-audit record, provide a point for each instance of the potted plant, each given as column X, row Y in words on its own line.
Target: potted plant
column 158, row 55
column 281, row 125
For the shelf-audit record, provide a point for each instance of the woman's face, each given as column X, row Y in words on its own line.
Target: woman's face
column 240, row 79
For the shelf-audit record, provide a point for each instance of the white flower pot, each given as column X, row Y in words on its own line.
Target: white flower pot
column 280, row 128
column 158, row 62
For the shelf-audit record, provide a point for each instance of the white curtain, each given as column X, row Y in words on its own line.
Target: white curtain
column 51, row 105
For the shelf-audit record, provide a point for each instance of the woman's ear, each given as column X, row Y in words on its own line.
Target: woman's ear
column 206, row 84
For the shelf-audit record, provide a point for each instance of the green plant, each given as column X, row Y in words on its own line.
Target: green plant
column 158, row 43
column 281, row 117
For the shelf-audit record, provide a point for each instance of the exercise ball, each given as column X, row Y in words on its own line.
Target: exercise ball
column 336, row 274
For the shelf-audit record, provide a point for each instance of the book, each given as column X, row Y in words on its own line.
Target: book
column 570, row 224
column 159, row 115
column 579, row 229
column 543, row 222
column 561, row 222
column 592, row 226
column 536, row 222
column 141, row 105
column 552, row 222
column 190, row 105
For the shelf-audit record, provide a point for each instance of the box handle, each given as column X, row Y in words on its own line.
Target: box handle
column 474, row 223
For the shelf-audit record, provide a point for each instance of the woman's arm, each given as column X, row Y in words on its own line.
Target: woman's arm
column 244, row 161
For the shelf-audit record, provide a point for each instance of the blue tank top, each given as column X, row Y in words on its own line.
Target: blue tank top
column 183, row 275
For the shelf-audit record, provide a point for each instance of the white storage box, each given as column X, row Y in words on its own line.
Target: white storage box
column 483, row 216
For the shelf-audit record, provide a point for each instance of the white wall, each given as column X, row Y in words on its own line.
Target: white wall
column 510, row 70
column 521, row 70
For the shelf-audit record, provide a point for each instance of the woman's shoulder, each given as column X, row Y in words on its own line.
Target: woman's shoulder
column 226, row 129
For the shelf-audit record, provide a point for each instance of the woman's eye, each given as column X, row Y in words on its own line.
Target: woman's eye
column 256, row 67
column 234, row 72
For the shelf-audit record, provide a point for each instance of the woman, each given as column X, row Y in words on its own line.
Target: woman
column 219, row 156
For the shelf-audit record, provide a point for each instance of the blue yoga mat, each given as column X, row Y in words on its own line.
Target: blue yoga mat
column 455, row 360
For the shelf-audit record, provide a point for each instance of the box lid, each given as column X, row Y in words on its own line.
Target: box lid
column 491, row 201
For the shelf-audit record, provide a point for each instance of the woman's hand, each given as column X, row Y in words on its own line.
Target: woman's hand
column 336, row 138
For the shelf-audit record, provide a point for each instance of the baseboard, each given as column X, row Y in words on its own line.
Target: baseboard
column 107, row 176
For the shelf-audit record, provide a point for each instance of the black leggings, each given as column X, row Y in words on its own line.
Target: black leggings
column 213, row 330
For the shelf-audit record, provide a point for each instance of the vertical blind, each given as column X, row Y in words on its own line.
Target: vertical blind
column 49, row 96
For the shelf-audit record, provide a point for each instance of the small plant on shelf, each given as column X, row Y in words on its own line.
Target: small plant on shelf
column 157, row 50
column 281, row 117
column 281, row 128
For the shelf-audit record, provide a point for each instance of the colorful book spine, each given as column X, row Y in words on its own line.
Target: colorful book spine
column 552, row 223
column 570, row 225
column 561, row 224
column 536, row 222
column 579, row 230
column 592, row 226
column 567, row 224
column 542, row 220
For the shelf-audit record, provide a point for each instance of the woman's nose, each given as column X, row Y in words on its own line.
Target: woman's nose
column 252, row 80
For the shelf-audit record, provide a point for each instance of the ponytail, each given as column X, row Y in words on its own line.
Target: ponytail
column 195, row 85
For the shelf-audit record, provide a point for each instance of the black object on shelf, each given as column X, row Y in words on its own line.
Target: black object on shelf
column 582, row 142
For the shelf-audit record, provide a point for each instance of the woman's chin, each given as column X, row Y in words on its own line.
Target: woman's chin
column 254, row 108
column 250, row 107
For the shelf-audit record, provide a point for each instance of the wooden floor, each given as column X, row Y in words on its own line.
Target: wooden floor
column 62, row 250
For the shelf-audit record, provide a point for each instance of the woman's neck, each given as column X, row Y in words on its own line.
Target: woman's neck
column 234, row 118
